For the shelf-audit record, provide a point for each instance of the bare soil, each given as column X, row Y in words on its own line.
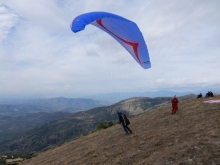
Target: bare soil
column 190, row 137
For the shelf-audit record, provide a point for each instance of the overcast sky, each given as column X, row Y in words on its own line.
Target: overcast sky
column 41, row 56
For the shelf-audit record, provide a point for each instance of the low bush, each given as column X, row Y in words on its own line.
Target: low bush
column 110, row 124
column 101, row 126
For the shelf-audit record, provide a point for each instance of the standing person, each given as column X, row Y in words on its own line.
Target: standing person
column 208, row 94
column 200, row 95
column 174, row 102
column 124, row 121
column 211, row 94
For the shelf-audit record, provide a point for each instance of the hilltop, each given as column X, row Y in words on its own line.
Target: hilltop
column 192, row 136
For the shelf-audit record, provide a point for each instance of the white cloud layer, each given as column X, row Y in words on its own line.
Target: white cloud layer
column 40, row 55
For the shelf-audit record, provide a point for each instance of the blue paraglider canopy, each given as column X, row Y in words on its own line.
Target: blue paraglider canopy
column 126, row 32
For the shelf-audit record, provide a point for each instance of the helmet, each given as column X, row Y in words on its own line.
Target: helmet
column 119, row 111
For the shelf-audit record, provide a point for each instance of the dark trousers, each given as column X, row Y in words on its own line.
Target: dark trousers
column 126, row 129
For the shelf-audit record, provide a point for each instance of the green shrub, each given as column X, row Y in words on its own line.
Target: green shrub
column 101, row 126
column 110, row 124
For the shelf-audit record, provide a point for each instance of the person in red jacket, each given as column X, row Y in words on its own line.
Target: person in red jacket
column 174, row 102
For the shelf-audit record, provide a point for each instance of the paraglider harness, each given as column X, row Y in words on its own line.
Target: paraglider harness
column 125, row 119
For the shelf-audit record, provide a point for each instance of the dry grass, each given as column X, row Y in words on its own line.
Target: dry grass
column 190, row 137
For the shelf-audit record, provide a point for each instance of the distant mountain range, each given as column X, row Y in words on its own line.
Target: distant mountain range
column 115, row 97
column 75, row 104
column 49, row 105
column 62, row 130
column 107, row 98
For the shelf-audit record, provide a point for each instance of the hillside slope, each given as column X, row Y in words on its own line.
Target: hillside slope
column 66, row 129
column 192, row 136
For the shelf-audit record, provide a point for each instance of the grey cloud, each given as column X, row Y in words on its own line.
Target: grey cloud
column 8, row 20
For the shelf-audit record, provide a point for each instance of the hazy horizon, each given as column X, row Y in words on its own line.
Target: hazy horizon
column 106, row 96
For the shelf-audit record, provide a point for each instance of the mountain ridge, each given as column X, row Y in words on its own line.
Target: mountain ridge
column 50, row 105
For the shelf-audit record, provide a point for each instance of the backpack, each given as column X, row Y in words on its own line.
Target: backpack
column 127, row 122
